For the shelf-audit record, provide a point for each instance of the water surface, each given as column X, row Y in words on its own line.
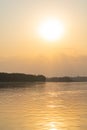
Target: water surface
column 43, row 106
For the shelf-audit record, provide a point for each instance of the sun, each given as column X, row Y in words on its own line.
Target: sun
column 51, row 30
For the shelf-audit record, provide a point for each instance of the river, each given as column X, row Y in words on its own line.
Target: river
column 43, row 106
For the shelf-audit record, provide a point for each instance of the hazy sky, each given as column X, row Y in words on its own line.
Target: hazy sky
column 23, row 50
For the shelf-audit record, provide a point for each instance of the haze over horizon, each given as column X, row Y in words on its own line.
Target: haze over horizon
column 23, row 50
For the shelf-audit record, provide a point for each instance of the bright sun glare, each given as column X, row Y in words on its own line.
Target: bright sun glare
column 51, row 30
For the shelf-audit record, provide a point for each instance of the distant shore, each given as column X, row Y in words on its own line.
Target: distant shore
column 21, row 77
column 67, row 79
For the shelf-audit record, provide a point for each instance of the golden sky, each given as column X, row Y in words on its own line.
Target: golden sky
column 23, row 50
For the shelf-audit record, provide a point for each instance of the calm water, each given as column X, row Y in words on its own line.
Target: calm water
column 43, row 106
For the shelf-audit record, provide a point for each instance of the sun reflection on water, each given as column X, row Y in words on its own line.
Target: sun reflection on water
column 53, row 129
column 53, row 126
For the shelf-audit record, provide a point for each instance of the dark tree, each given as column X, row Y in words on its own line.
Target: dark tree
column 18, row 77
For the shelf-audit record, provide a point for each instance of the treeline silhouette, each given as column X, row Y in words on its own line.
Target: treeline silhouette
column 19, row 77
column 59, row 79
column 67, row 79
